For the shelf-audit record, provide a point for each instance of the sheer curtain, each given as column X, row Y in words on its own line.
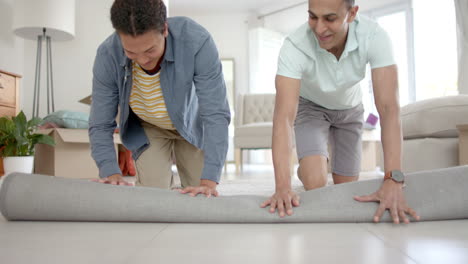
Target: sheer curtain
column 264, row 47
column 461, row 8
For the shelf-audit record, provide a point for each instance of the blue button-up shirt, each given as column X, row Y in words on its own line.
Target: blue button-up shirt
column 194, row 91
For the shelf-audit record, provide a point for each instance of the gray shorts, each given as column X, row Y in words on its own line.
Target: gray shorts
column 316, row 125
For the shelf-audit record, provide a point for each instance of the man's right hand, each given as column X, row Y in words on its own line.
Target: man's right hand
column 283, row 200
column 286, row 105
column 115, row 179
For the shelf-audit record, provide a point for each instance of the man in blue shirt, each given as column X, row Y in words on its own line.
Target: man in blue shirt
column 165, row 78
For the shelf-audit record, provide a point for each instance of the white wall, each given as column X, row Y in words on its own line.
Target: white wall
column 230, row 33
column 11, row 47
column 72, row 60
column 288, row 20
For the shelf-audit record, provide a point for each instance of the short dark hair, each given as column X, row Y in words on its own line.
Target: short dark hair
column 135, row 17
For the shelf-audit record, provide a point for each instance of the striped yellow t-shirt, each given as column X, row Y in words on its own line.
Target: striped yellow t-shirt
column 146, row 99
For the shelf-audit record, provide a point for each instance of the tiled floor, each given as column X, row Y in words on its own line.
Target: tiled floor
column 62, row 242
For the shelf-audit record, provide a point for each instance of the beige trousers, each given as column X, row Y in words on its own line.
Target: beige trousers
column 154, row 164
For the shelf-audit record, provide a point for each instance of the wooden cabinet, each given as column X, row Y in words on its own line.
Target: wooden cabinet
column 9, row 93
column 9, row 98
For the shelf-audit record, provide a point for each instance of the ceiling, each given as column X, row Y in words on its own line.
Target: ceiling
column 236, row 6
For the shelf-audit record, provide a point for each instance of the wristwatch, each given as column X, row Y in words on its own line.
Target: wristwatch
column 395, row 175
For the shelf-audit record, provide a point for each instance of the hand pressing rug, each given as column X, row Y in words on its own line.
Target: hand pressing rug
column 435, row 195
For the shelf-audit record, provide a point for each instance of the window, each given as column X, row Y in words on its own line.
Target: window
column 397, row 22
column 436, row 56
column 424, row 39
column 264, row 47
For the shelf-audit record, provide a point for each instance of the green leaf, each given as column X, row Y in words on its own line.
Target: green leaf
column 18, row 136
column 33, row 123
column 20, row 123
column 43, row 139
column 10, row 150
column 6, row 125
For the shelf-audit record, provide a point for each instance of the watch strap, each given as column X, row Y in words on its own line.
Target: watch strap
column 389, row 174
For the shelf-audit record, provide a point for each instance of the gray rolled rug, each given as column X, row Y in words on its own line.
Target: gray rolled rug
column 435, row 195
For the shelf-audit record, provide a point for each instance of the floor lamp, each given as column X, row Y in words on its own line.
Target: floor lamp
column 44, row 20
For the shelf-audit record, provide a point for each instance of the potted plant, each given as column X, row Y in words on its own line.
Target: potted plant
column 17, row 140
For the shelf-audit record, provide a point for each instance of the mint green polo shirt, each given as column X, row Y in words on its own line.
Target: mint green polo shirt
column 326, row 81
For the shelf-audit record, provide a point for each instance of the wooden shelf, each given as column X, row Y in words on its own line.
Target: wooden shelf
column 9, row 98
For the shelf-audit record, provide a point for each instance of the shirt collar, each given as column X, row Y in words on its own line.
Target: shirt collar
column 169, row 52
column 351, row 42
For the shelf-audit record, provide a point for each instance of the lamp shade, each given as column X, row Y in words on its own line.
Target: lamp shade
column 56, row 16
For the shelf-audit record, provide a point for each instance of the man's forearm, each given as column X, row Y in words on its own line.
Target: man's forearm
column 281, row 147
column 391, row 139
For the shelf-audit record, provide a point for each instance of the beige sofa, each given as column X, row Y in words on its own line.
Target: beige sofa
column 430, row 132
column 253, row 124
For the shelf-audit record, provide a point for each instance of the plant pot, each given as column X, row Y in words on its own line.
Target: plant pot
column 18, row 164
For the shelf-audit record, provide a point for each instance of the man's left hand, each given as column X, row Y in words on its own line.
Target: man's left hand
column 206, row 187
column 391, row 197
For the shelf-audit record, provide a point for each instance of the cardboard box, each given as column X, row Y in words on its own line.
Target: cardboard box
column 70, row 157
column 87, row 100
column 463, row 144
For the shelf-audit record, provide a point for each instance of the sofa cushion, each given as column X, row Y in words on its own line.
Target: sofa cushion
column 258, row 108
column 436, row 117
column 69, row 119
column 255, row 135
column 255, row 129
column 429, row 153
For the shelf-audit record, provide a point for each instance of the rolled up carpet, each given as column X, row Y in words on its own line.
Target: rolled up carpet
column 435, row 195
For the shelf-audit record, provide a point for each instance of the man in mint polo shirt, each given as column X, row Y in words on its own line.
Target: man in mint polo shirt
column 318, row 95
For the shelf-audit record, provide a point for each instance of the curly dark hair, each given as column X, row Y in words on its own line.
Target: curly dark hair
column 135, row 17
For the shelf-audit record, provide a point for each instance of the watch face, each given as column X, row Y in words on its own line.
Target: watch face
column 398, row 176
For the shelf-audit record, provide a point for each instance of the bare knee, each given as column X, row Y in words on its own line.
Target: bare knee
column 313, row 181
column 313, row 172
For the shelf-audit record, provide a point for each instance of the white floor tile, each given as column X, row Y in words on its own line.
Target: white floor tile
column 50, row 255
column 63, row 235
column 427, row 242
column 258, row 243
